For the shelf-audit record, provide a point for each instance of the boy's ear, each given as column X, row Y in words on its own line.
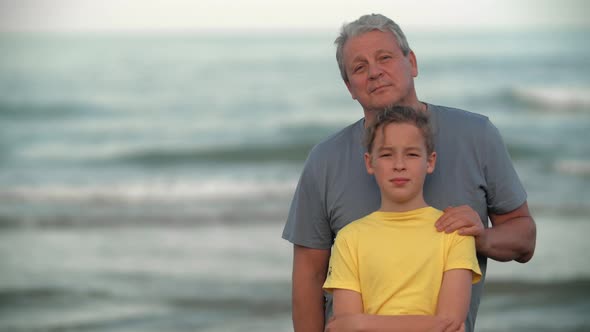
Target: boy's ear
column 369, row 163
column 431, row 161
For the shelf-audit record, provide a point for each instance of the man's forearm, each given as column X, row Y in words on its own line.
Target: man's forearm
column 309, row 273
column 308, row 306
column 512, row 239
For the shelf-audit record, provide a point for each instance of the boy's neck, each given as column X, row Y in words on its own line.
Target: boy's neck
column 388, row 206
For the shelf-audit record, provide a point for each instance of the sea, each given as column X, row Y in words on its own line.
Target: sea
column 145, row 177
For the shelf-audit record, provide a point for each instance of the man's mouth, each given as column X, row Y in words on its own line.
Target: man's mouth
column 377, row 88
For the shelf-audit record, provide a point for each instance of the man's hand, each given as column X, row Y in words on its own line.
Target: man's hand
column 462, row 219
column 465, row 221
column 512, row 236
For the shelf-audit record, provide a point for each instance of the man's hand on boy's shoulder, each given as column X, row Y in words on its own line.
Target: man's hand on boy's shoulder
column 462, row 219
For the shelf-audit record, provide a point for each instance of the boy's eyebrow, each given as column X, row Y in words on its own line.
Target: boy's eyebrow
column 384, row 147
column 389, row 148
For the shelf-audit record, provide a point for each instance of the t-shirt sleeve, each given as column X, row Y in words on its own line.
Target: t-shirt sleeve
column 343, row 271
column 308, row 224
column 504, row 190
column 461, row 255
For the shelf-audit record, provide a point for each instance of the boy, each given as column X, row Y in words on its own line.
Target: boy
column 392, row 270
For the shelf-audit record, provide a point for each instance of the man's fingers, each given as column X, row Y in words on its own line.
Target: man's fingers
column 454, row 224
column 473, row 231
column 444, row 221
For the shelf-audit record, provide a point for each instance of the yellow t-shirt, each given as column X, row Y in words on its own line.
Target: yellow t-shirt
column 396, row 260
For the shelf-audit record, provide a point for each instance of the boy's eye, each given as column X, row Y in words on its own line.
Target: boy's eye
column 385, row 155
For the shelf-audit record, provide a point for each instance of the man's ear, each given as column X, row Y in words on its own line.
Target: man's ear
column 413, row 63
column 369, row 163
column 431, row 163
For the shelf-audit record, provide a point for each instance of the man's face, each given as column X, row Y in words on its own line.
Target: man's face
column 379, row 74
column 399, row 161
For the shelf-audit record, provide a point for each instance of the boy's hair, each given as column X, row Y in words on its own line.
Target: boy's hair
column 400, row 114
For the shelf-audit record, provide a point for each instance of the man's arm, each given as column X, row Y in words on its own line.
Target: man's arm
column 512, row 235
column 309, row 273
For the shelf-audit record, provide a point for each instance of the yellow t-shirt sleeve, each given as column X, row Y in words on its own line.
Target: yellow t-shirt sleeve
column 461, row 255
column 343, row 272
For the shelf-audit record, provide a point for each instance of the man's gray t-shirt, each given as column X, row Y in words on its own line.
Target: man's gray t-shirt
column 473, row 167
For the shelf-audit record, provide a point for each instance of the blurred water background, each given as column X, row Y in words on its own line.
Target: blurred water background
column 145, row 178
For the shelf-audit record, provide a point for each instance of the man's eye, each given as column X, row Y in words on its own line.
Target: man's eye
column 358, row 69
column 385, row 155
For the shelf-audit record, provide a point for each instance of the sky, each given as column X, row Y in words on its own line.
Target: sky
column 137, row 15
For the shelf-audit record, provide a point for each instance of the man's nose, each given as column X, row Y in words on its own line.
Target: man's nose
column 375, row 71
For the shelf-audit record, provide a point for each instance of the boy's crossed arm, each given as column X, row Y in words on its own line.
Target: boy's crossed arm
column 452, row 308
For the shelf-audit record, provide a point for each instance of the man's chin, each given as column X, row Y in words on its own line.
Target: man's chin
column 378, row 107
column 384, row 101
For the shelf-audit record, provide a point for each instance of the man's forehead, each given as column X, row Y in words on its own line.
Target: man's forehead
column 376, row 35
column 356, row 47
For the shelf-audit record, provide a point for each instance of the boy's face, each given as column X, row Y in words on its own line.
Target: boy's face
column 399, row 162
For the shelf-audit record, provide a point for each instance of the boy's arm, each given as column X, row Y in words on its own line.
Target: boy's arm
column 454, row 296
column 349, row 317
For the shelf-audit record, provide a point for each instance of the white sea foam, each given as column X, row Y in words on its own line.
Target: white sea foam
column 575, row 167
column 555, row 98
column 158, row 190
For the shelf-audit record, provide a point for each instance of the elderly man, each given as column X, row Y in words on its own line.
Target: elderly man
column 474, row 180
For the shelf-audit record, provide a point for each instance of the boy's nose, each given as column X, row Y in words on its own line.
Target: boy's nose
column 399, row 164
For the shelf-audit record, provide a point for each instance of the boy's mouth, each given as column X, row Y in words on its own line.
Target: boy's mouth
column 399, row 181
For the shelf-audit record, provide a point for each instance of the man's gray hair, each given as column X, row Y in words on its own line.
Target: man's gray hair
column 364, row 24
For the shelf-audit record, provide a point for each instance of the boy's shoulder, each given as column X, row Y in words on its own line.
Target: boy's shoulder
column 356, row 226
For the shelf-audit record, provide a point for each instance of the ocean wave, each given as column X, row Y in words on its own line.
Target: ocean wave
column 554, row 286
column 557, row 99
column 113, row 153
column 525, row 151
column 258, row 306
column 573, row 167
column 162, row 191
column 44, row 110
column 46, row 295
column 235, row 153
